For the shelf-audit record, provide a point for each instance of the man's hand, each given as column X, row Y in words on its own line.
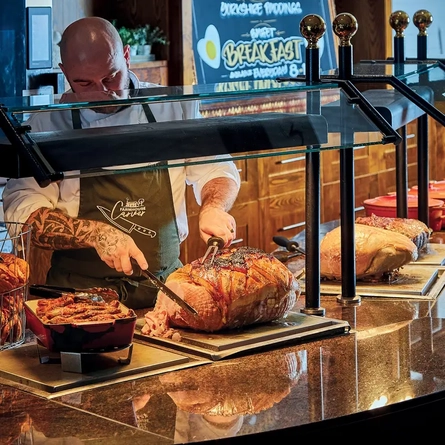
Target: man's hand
column 116, row 248
column 216, row 222
column 218, row 196
column 55, row 230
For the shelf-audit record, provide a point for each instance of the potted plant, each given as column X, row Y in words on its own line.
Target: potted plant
column 129, row 37
column 141, row 36
column 155, row 35
column 148, row 36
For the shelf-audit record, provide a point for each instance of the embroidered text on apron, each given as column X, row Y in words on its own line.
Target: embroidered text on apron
column 140, row 204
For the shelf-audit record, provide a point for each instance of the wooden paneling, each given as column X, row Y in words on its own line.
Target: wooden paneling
column 374, row 33
column 154, row 72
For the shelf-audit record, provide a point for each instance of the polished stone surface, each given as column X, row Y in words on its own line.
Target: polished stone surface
column 394, row 353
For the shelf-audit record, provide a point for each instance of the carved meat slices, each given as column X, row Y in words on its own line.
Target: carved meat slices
column 415, row 230
column 377, row 252
column 243, row 286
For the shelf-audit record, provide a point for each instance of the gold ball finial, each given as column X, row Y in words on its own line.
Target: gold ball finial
column 422, row 19
column 399, row 21
column 312, row 28
column 345, row 26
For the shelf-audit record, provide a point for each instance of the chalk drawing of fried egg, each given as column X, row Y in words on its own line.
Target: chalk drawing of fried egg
column 209, row 48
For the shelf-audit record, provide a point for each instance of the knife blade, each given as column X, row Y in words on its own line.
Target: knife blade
column 163, row 288
column 120, row 220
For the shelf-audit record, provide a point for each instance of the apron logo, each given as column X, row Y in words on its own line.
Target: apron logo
column 130, row 209
column 119, row 213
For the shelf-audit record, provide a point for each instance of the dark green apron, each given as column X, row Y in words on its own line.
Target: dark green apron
column 139, row 204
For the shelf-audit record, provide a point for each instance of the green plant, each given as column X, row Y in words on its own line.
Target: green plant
column 140, row 34
column 155, row 35
column 129, row 36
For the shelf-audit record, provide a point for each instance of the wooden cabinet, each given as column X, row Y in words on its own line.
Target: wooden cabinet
column 154, row 72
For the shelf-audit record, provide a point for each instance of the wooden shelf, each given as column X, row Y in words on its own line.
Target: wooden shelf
column 155, row 71
column 149, row 64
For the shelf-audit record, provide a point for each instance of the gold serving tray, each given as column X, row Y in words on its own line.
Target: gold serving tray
column 433, row 255
column 296, row 327
column 22, row 365
column 415, row 280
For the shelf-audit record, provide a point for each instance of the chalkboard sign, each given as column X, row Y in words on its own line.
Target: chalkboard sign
column 239, row 40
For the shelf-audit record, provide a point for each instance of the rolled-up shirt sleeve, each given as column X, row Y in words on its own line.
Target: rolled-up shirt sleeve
column 199, row 175
column 23, row 196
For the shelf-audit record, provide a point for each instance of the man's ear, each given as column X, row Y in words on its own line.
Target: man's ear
column 127, row 55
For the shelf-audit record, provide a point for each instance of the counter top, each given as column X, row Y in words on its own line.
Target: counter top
column 386, row 378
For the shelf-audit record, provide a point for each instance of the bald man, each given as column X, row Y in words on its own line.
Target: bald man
column 81, row 219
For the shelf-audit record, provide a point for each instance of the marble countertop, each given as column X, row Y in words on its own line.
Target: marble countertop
column 391, row 362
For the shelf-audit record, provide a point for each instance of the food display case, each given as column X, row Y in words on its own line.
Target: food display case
column 52, row 156
column 325, row 379
column 335, row 116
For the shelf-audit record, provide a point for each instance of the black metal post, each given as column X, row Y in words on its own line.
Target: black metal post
column 402, row 175
column 345, row 26
column 422, row 169
column 422, row 19
column 312, row 27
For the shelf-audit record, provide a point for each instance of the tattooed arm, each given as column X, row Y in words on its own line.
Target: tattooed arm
column 53, row 229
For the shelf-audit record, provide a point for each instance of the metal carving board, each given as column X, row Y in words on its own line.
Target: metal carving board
column 434, row 255
column 22, row 365
column 215, row 346
column 414, row 281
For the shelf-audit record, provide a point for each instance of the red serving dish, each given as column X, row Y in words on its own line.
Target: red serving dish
column 436, row 190
column 82, row 337
column 387, row 206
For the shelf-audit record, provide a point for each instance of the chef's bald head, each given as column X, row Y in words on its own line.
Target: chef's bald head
column 87, row 41
column 94, row 58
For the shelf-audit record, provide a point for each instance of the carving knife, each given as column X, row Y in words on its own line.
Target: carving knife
column 162, row 287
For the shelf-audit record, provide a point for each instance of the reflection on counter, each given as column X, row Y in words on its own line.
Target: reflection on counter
column 27, row 419
column 392, row 356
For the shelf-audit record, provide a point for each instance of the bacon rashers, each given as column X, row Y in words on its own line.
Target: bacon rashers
column 71, row 309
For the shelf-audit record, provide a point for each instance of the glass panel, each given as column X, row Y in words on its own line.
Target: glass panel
column 386, row 69
column 434, row 79
column 245, row 129
column 155, row 94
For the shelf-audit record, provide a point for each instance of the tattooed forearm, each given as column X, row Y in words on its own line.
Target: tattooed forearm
column 219, row 192
column 109, row 240
column 53, row 229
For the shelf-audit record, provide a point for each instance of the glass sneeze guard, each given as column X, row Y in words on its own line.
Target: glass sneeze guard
column 104, row 150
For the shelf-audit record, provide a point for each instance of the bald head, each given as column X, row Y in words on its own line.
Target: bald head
column 92, row 53
column 87, row 37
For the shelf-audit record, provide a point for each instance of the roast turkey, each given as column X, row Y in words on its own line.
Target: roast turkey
column 241, row 287
column 417, row 231
column 377, row 252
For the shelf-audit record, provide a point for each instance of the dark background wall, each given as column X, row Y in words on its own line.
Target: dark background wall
column 12, row 48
